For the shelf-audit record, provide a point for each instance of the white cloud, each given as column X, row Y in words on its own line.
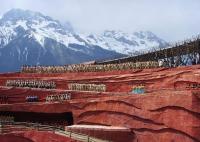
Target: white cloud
column 171, row 19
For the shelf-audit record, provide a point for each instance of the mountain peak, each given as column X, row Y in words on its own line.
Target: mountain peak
column 19, row 14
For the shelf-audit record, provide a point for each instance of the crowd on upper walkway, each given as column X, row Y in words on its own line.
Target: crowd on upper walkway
column 89, row 67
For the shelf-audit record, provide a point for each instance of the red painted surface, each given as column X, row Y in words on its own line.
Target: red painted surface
column 169, row 111
column 18, row 95
column 34, row 136
column 13, row 138
column 120, row 81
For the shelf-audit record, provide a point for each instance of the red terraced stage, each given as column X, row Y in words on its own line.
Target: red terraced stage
column 169, row 110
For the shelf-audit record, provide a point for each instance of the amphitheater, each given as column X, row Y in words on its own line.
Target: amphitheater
column 132, row 99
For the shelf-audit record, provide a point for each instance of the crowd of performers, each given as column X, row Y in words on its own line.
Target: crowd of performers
column 89, row 67
column 32, row 83
column 193, row 86
column 3, row 99
column 140, row 89
column 87, row 87
column 58, row 97
column 58, row 123
column 32, row 98
column 6, row 118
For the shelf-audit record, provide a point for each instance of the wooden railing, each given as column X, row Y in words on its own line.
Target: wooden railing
column 8, row 127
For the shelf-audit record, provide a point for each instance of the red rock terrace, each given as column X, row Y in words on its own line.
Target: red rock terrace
column 156, row 104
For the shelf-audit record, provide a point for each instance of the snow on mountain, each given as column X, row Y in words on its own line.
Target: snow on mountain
column 37, row 25
column 67, row 26
column 126, row 43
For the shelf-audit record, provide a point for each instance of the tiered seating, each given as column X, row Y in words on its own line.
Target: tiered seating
column 31, row 83
column 87, row 87
column 58, row 97
column 89, row 67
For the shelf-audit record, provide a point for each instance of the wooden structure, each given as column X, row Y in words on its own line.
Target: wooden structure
column 186, row 47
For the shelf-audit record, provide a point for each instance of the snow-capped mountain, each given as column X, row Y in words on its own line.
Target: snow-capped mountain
column 35, row 25
column 28, row 37
column 126, row 43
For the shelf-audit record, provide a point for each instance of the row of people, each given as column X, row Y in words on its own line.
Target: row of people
column 58, row 97
column 4, row 118
column 43, row 69
column 32, row 99
column 61, row 123
column 32, row 83
column 3, row 99
column 87, row 87
column 140, row 89
column 57, row 123
column 89, row 67
column 193, row 86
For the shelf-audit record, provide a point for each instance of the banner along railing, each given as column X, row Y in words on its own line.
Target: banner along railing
column 7, row 127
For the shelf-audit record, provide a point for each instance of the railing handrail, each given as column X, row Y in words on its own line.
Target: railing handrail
column 57, row 130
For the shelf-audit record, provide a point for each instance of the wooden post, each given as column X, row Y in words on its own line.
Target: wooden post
column 1, row 128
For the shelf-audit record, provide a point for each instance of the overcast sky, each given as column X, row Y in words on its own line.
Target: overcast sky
column 172, row 20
